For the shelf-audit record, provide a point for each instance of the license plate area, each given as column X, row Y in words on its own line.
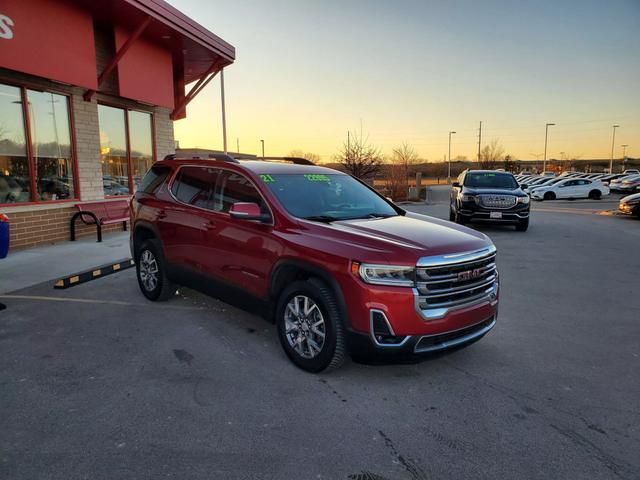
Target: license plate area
column 495, row 214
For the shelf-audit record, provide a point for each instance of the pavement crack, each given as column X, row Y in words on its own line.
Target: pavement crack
column 409, row 465
column 610, row 462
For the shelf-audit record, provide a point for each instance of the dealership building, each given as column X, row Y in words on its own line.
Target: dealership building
column 89, row 91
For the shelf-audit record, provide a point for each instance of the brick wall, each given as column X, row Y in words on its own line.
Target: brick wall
column 165, row 143
column 43, row 227
column 87, row 132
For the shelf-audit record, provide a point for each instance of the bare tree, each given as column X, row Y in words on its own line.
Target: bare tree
column 509, row 163
column 398, row 182
column 314, row 157
column 358, row 157
column 491, row 154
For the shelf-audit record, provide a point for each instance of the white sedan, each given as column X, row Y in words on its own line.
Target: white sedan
column 571, row 188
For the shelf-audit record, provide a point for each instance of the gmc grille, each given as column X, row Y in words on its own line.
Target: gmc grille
column 456, row 283
column 498, row 201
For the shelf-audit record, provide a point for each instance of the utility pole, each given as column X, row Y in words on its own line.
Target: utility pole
column 237, row 145
column 262, row 141
column 479, row 141
column 449, row 171
column 224, row 116
column 613, row 141
column 546, row 134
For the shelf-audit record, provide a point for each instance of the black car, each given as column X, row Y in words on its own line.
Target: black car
column 489, row 196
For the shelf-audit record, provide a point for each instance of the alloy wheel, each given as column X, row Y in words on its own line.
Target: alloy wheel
column 305, row 327
column 148, row 270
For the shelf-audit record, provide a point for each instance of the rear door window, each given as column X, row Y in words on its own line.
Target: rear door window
column 194, row 186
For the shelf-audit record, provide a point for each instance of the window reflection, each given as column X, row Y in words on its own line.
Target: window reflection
column 141, row 145
column 15, row 183
column 113, row 150
column 51, row 145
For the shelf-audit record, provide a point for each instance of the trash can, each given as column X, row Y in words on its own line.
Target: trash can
column 4, row 235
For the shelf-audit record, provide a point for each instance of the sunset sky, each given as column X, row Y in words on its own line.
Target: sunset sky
column 306, row 72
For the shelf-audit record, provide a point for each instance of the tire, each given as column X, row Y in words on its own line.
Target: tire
column 549, row 196
column 301, row 342
column 459, row 219
column 151, row 271
column 523, row 225
column 595, row 194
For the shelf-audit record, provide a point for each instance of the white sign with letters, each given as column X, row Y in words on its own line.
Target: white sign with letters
column 6, row 23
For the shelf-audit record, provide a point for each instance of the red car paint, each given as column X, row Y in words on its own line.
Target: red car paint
column 246, row 253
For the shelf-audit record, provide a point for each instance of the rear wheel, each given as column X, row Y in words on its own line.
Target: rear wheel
column 151, row 271
column 549, row 196
column 595, row 194
column 522, row 225
column 310, row 327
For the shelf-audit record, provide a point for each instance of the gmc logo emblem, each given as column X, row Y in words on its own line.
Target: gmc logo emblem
column 469, row 274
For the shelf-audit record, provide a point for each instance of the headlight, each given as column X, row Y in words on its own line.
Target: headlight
column 467, row 198
column 524, row 200
column 397, row 275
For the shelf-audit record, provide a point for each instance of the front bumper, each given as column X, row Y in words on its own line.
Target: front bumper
column 627, row 209
column 424, row 344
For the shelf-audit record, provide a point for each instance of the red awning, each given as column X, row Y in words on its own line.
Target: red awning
column 193, row 47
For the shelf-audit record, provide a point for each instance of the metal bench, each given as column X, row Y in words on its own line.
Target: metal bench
column 99, row 214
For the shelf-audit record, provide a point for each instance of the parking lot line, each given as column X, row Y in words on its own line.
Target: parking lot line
column 97, row 301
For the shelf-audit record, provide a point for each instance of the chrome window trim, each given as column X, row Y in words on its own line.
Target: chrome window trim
column 173, row 179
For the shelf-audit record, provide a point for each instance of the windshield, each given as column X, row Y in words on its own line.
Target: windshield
column 323, row 197
column 490, row 180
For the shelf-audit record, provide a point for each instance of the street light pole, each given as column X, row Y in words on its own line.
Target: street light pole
column 224, row 113
column 449, row 171
column 262, row 141
column 613, row 141
column 546, row 135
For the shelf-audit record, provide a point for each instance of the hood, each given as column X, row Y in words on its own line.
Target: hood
column 403, row 238
column 630, row 198
column 494, row 191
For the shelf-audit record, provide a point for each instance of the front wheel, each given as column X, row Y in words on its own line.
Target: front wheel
column 151, row 271
column 310, row 327
column 549, row 196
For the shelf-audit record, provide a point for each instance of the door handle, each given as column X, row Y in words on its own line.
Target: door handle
column 208, row 225
column 161, row 214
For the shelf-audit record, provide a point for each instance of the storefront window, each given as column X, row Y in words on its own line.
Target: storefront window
column 141, row 145
column 15, row 182
column 51, row 145
column 125, row 158
column 113, row 150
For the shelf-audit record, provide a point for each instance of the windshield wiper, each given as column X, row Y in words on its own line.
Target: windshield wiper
column 321, row 218
column 374, row 215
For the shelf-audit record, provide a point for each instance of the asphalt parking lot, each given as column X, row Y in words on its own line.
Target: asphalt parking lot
column 98, row 383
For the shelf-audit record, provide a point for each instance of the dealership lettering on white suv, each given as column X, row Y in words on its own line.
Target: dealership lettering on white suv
column 5, row 27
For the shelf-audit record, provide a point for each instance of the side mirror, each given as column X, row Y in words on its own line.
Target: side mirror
column 524, row 187
column 389, row 199
column 247, row 211
column 456, row 184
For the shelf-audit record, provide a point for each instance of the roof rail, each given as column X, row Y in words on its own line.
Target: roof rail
column 211, row 156
column 296, row 160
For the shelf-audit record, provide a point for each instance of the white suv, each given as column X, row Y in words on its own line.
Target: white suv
column 572, row 188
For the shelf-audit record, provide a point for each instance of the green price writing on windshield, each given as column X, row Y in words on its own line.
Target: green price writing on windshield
column 315, row 177
column 267, row 178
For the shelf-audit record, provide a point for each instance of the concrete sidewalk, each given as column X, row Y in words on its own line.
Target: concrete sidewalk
column 24, row 268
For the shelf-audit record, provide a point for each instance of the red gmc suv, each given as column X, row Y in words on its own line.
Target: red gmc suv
column 338, row 267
